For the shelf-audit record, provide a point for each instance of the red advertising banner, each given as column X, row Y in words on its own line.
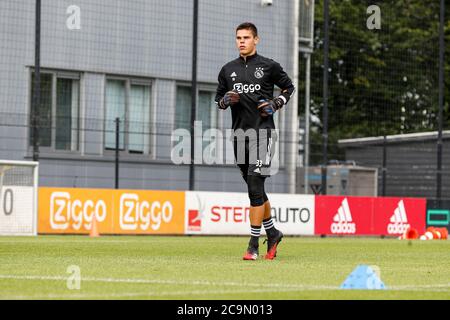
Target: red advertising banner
column 393, row 216
column 340, row 215
column 343, row 215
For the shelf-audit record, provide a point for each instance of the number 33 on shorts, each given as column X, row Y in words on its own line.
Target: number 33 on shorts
column 259, row 163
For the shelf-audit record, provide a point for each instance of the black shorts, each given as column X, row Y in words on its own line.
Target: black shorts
column 254, row 156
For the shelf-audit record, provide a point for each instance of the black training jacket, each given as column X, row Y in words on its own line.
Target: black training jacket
column 254, row 79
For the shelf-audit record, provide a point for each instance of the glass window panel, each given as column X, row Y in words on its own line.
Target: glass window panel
column 45, row 110
column 183, row 108
column 76, row 115
column 67, row 101
column 206, row 112
column 139, row 123
column 115, row 108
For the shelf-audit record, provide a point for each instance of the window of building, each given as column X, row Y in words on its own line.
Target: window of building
column 58, row 120
column 206, row 111
column 130, row 101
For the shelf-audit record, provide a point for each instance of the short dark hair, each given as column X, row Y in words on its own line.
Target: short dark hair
column 248, row 26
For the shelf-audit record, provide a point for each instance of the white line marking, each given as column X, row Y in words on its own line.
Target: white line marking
column 165, row 293
column 270, row 287
column 171, row 282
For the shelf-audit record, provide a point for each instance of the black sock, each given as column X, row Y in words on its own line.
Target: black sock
column 255, row 233
column 269, row 227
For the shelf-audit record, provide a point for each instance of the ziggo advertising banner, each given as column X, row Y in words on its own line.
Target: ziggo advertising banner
column 228, row 213
column 368, row 215
column 67, row 210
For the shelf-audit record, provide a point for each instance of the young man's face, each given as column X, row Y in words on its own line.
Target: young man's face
column 246, row 42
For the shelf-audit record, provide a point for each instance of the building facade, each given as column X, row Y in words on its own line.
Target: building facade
column 132, row 60
column 411, row 162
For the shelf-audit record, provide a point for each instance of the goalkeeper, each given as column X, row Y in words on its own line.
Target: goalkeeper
column 246, row 85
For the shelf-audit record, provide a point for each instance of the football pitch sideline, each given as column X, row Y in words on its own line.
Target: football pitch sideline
column 163, row 267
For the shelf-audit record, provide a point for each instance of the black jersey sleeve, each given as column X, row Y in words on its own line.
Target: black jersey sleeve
column 222, row 87
column 282, row 80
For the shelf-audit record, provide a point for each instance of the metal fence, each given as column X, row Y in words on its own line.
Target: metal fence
column 383, row 93
column 152, row 64
column 377, row 107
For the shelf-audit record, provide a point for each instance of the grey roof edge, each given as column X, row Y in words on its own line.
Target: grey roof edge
column 408, row 137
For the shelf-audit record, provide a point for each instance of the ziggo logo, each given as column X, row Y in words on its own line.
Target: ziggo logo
column 246, row 88
column 65, row 212
column 142, row 214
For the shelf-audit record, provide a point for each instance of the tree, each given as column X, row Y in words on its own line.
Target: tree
column 380, row 81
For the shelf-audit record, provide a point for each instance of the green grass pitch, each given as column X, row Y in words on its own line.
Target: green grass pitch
column 162, row 267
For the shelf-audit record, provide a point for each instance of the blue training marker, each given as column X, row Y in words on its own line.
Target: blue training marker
column 363, row 278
